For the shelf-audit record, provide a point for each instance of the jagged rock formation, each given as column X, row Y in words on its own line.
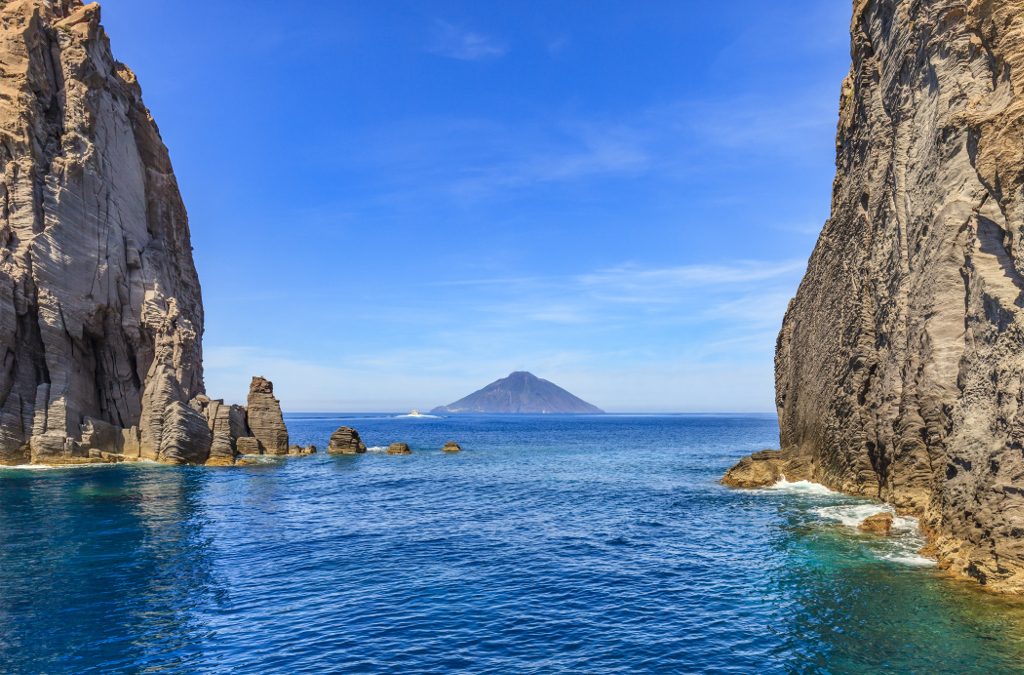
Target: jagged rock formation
column 346, row 441
column 520, row 392
column 101, row 314
column 100, row 308
column 900, row 365
column 265, row 418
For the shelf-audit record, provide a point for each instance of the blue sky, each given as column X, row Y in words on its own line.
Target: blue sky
column 395, row 203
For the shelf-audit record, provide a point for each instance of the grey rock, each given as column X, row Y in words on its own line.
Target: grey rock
column 100, row 307
column 900, row 364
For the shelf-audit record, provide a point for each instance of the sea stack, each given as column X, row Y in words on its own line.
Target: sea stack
column 266, row 421
column 346, row 441
column 900, row 365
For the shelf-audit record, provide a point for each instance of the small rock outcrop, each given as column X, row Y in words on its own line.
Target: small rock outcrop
column 399, row 449
column 266, row 420
column 346, row 441
column 880, row 524
column 301, row 451
column 764, row 469
column 451, row 447
column 900, row 363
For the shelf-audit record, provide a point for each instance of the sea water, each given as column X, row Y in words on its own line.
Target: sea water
column 551, row 544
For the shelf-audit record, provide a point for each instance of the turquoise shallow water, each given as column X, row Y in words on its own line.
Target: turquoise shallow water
column 552, row 544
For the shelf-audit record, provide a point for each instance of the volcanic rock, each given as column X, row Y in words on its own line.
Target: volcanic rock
column 900, row 365
column 764, row 469
column 346, row 441
column 399, row 449
column 298, row 450
column 451, row 447
column 880, row 523
column 265, row 418
column 100, row 307
column 248, row 445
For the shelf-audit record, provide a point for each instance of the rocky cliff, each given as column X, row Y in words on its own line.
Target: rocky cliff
column 900, row 365
column 101, row 315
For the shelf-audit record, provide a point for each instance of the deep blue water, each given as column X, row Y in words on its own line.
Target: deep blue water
column 552, row 544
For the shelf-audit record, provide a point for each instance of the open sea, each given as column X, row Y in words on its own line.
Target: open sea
column 552, row 544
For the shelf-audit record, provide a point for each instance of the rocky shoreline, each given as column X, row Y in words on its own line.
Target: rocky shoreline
column 899, row 364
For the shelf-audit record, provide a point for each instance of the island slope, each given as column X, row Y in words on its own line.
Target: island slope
column 518, row 393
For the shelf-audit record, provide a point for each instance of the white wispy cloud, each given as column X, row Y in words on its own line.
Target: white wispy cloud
column 455, row 42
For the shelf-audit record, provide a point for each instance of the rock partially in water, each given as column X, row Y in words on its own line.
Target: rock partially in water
column 301, row 451
column 248, row 445
column 764, row 469
column 451, row 447
column 900, row 360
column 880, row 523
column 266, row 419
column 399, row 449
column 346, row 441
column 99, row 295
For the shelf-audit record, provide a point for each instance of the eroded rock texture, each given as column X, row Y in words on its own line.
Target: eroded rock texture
column 100, row 310
column 265, row 418
column 900, row 364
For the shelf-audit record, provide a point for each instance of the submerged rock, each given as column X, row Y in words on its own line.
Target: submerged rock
column 346, row 441
column 880, row 523
column 764, row 469
column 299, row 451
column 399, row 449
column 451, row 447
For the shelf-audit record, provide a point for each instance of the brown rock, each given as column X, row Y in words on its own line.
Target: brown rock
column 247, row 445
column 265, row 418
column 346, row 441
column 399, row 449
column 299, row 451
column 880, row 523
column 900, row 361
column 451, row 447
column 764, row 469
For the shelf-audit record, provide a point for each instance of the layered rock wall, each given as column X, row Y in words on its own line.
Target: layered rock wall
column 100, row 308
column 900, row 365
column 101, row 314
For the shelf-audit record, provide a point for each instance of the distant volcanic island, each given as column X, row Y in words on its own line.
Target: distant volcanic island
column 520, row 393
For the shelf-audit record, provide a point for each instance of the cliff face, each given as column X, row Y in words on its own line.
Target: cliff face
column 900, row 365
column 100, row 308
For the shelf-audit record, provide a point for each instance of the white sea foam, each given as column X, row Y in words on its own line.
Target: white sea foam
column 804, row 487
column 377, row 448
column 417, row 417
column 852, row 515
